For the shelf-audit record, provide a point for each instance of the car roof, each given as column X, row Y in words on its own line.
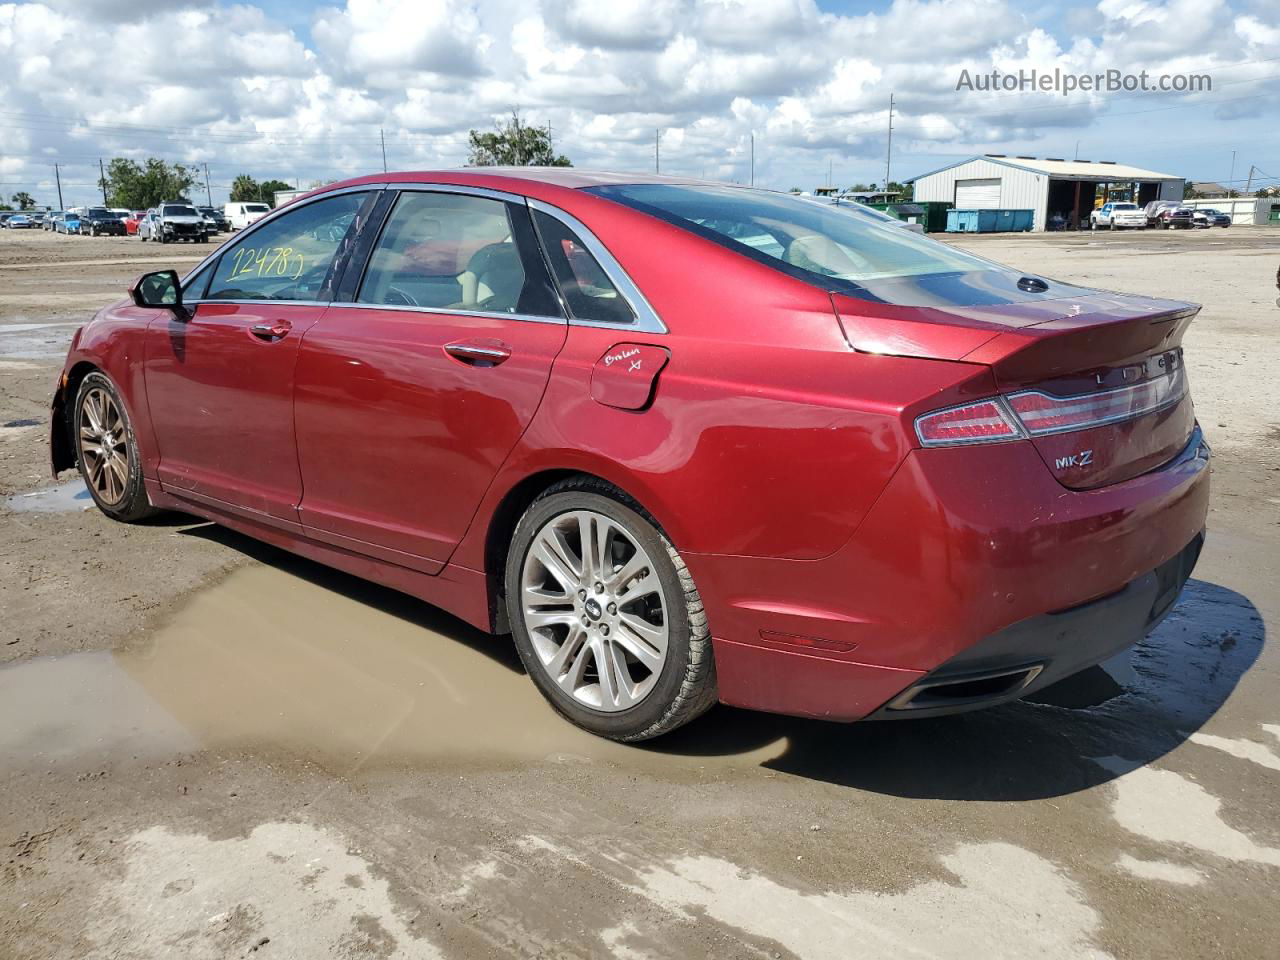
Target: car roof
column 499, row 178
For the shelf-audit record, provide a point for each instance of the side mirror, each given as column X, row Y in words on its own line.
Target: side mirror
column 160, row 290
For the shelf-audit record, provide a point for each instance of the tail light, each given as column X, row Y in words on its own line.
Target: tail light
column 1033, row 413
column 1043, row 413
column 987, row 421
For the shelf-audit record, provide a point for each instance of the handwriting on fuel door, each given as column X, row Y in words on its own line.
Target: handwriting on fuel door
column 613, row 358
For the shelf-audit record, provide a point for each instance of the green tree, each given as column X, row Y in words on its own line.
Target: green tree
column 245, row 189
column 906, row 189
column 267, row 190
column 138, row 186
column 515, row 144
column 24, row 200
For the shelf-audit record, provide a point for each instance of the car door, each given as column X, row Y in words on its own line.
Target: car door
column 220, row 381
column 409, row 398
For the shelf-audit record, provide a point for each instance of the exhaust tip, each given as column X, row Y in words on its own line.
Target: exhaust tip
column 968, row 689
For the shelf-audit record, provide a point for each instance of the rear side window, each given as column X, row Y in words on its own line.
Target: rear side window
column 289, row 258
column 452, row 251
column 587, row 289
column 814, row 240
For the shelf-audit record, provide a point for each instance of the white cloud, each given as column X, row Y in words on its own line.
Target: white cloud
column 200, row 80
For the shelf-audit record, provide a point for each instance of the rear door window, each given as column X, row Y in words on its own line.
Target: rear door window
column 290, row 258
column 457, row 252
column 586, row 288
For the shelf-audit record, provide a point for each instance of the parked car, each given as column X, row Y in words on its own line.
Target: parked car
column 37, row 218
column 1168, row 214
column 214, row 219
column 171, row 222
column 241, row 215
column 101, row 222
column 1207, row 217
column 18, row 221
column 1118, row 215
column 147, row 225
column 686, row 442
column 50, row 219
column 68, row 223
column 132, row 221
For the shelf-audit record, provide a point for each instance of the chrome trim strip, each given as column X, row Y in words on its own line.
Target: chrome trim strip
column 442, row 311
column 1178, row 392
column 422, row 187
column 264, row 300
column 647, row 319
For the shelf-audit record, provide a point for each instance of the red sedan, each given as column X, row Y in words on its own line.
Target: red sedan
column 131, row 222
column 684, row 442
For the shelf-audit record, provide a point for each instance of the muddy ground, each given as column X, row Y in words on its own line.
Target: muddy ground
column 211, row 749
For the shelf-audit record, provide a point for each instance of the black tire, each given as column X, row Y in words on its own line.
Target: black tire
column 686, row 685
column 133, row 504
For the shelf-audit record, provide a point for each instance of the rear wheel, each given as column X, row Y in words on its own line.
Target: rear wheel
column 605, row 615
column 108, row 451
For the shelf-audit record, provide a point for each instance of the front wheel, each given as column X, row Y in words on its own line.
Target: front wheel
column 108, row 451
column 605, row 615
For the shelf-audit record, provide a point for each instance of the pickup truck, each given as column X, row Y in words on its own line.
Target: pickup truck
column 1116, row 215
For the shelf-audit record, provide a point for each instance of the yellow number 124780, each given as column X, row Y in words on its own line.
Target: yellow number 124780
column 267, row 262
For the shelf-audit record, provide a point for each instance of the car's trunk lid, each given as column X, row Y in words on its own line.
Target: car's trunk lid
column 1098, row 379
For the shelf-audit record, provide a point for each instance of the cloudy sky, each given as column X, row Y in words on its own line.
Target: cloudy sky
column 299, row 91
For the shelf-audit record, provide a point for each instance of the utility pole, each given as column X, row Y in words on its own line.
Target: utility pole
column 657, row 157
column 208, row 192
column 58, row 176
column 888, row 150
column 1249, row 186
column 753, row 160
column 102, row 182
column 383, row 137
column 1077, row 153
column 1231, row 182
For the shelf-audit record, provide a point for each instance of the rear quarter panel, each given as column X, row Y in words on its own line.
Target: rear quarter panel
column 768, row 435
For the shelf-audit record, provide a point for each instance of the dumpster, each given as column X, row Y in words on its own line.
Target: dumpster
column 935, row 214
column 989, row 221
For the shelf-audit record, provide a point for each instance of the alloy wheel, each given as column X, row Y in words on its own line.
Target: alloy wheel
column 104, row 446
column 595, row 610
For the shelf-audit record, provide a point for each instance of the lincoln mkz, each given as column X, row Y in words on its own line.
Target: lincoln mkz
column 683, row 442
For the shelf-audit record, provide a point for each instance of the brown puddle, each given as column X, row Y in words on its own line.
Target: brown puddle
column 268, row 660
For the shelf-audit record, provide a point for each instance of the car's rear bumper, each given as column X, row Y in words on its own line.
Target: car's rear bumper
column 1040, row 651
column 968, row 549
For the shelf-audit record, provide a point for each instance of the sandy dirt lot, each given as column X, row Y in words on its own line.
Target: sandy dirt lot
column 210, row 749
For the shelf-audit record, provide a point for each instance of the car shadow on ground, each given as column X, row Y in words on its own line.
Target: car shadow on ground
column 1182, row 675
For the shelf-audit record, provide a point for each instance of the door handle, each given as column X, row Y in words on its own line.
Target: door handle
column 477, row 354
column 276, row 330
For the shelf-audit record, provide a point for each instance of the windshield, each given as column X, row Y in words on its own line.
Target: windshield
column 174, row 210
column 98, row 212
column 1124, row 206
column 817, row 240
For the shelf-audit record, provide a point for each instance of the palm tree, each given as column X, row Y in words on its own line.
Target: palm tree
column 23, row 200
